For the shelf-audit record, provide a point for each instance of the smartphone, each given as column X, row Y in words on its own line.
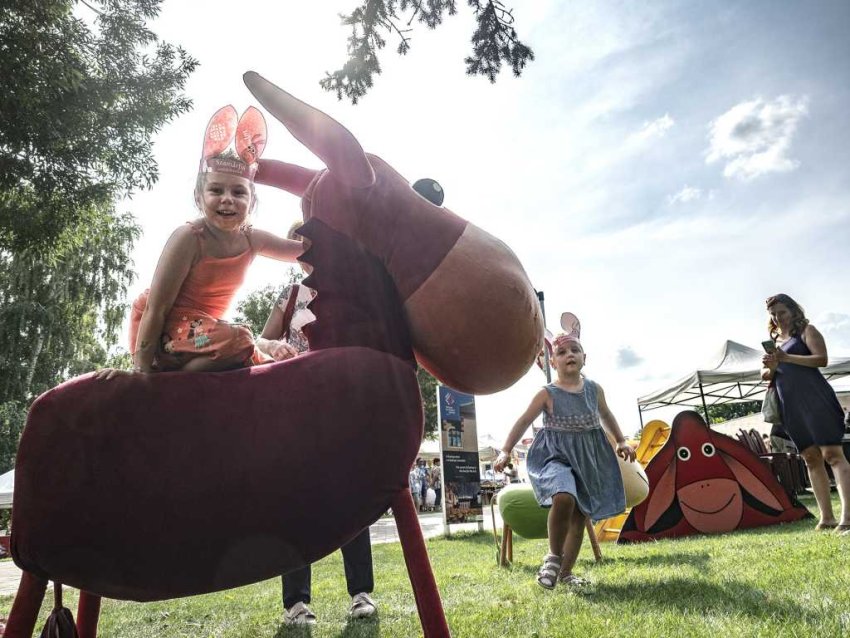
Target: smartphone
column 769, row 346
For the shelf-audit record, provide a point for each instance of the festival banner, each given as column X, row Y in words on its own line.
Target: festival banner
column 459, row 452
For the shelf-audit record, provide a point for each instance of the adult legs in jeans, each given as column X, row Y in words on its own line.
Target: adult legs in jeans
column 359, row 577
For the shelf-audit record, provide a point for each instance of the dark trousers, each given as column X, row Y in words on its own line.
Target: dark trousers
column 357, row 559
column 439, row 492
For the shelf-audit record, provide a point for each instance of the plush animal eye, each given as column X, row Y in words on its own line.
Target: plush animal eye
column 708, row 449
column 683, row 453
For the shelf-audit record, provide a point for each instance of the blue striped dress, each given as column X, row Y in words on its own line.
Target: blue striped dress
column 571, row 454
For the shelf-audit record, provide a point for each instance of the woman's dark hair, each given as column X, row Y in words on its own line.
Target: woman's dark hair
column 798, row 316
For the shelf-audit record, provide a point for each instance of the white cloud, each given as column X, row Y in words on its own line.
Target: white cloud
column 628, row 358
column 685, row 195
column 655, row 129
column 754, row 137
column 835, row 327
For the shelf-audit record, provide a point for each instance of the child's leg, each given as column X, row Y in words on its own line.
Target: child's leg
column 573, row 541
column 209, row 364
column 558, row 523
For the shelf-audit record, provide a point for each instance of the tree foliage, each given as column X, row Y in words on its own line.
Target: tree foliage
column 729, row 411
column 255, row 307
column 494, row 41
column 61, row 309
column 85, row 86
column 80, row 103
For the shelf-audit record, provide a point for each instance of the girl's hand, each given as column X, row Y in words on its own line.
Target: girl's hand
column 501, row 462
column 626, row 451
column 280, row 350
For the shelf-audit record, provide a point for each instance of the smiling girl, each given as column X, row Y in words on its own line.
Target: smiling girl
column 176, row 324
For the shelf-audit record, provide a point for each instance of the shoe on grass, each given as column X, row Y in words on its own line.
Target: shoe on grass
column 362, row 606
column 547, row 575
column 576, row 584
column 299, row 614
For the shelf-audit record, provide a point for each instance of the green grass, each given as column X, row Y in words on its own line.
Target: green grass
column 784, row 580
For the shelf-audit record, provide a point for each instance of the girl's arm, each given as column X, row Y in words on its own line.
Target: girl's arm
column 609, row 424
column 270, row 245
column 814, row 340
column 271, row 340
column 537, row 405
column 177, row 257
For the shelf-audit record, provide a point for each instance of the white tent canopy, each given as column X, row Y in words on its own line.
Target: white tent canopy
column 7, row 486
column 735, row 378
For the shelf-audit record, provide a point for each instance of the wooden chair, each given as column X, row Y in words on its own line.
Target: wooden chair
column 788, row 468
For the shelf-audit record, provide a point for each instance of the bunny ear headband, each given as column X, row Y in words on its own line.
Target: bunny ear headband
column 233, row 146
column 572, row 331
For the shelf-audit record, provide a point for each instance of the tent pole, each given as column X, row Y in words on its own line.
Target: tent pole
column 548, row 368
column 640, row 416
column 704, row 407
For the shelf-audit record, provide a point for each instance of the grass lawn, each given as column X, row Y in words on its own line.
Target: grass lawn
column 785, row 580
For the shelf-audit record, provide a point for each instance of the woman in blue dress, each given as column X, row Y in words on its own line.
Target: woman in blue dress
column 810, row 410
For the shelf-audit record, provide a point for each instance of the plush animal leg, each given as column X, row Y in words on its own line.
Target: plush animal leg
column 425, row 590
column 24, row 614
column 88, row 612
column 594, row 542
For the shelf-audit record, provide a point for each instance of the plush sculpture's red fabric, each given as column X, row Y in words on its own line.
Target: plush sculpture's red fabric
column 182, row 483
column 703, row 482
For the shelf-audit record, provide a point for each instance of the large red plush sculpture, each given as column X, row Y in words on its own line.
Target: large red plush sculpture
column 173, row 484
column 703, row 482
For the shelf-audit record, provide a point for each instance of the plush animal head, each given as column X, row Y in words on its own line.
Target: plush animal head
column 474, row 318
column 705, row 482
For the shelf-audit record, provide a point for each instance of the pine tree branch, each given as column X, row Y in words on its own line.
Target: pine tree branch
column 494, row 41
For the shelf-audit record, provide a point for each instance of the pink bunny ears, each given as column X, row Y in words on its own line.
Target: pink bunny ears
column 572, row 330
column 232, row 146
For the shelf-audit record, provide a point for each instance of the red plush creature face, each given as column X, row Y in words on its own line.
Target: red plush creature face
column 704, row 482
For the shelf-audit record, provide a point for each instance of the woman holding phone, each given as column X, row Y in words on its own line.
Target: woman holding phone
column 811, row 414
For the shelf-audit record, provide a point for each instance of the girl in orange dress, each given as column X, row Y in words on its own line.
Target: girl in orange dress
column 176, row 324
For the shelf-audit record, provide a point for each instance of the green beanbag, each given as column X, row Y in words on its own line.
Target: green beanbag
column 522, row 512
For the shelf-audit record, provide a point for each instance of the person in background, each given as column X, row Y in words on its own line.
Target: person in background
column 810, row 410
column 283, row 338
column 437, row 482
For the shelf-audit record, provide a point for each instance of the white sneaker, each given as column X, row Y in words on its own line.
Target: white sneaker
column 299, row 614
column 362, row 606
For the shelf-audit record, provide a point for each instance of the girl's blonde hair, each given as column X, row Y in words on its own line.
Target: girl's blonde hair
column 798, row 316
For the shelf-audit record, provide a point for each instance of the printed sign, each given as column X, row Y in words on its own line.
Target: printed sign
column 459, row 451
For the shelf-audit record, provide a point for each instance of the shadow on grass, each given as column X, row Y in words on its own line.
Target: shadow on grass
column 697, row 560
column 698, row 596
column 361, row 628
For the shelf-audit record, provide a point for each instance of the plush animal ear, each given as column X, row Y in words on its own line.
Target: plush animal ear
column 751, row 482
column 289, row 177
column 251, row 135
column 328, row 139
column 661, row 496
column 220, row 131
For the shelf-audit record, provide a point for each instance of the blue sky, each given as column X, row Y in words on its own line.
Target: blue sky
column 660, row 168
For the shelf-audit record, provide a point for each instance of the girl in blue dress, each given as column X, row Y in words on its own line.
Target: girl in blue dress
column 571, row 464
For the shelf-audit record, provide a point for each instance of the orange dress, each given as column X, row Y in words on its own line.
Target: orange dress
column 194, row 326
